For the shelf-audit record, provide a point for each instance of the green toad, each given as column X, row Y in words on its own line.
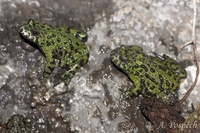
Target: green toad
column 64, row 43
column 151, row 75
column 17, row 124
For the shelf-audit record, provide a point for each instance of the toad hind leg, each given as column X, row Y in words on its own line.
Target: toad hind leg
column 79, row 58
column 136, row 90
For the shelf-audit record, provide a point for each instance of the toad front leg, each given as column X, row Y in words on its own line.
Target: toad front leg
column 70, row 63
column 49, row 66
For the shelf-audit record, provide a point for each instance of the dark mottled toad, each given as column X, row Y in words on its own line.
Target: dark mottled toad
column 64, row 43
column 17, row 124
column 151, row 75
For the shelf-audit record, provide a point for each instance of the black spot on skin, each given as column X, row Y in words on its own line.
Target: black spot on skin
column 87, row 55
column 147, row 93
column 68, row 30
column 136, row 66
column 152, row 70
column 65, row 42
column 77, row 35
column 71, row 47
column 169, row 73
column 84, row 39
column 161, row 67
column 144, row 67
column 153, row 63
column 142, row 81
column 138, row 91
column 140, row 70
column 150, row 78
column 152, row 87
column 161, row 79
column 167, row 83
column 145, row 57
column 147, row 83
column 63, row 35
column 77, row 44
column 70, row 41
column 72, row 59
column 172, row 85
column 82, row 62
column 136, row 73
column 53, row 35
column 48, row 37
column 175, row 78
column 168, row 92
column 55, row 53
column 58, row 40
column 60, row 53
column 161, row 88
column 66, row 53
column 48, row 43
column 72, row 72
column 69, row 54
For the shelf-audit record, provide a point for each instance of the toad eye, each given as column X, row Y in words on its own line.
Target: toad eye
column 34, row 32
column 123, row 59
